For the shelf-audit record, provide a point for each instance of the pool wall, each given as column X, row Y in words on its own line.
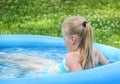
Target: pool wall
column 107, row 74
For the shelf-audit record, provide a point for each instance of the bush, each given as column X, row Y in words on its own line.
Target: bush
column 44, row 17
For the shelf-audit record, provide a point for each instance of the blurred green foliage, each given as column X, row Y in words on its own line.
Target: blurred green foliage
column 44, row 17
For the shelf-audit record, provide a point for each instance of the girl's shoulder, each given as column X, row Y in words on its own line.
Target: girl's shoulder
column 72, row 56
column 72, row 61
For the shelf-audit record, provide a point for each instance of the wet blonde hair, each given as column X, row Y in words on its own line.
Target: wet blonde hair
column 79, row 26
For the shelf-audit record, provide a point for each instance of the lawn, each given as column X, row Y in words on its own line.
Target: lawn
column 44, row 17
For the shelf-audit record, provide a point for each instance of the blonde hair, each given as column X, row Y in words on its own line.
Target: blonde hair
column 79, row 26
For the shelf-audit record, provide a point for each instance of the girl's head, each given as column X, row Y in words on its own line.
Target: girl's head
column 77, row 33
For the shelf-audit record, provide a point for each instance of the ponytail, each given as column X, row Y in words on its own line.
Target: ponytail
column 85, row 46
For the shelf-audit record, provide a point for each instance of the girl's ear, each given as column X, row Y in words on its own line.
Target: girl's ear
column 73, row 39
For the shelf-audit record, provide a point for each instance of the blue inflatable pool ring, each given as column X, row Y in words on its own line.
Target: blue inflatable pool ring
column 107, row 74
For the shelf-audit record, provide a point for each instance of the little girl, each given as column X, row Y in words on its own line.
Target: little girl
column 77, row 34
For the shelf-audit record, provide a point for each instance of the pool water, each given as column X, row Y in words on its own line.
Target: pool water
column 9, row 67
column 11, row 59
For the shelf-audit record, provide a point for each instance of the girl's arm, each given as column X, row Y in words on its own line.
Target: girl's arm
column 101, row 59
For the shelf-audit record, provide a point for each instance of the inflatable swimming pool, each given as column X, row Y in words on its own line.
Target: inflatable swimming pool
column 108, row 74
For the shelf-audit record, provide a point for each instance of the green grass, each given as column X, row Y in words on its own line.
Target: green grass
column 44, row 17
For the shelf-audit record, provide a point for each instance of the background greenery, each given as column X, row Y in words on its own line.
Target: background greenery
column 44, row 17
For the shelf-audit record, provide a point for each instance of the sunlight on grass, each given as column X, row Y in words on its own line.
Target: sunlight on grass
column 44, row 17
